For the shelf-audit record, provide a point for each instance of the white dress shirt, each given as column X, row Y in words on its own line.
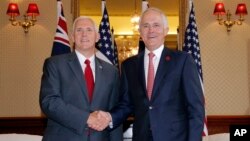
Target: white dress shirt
column 82, row 59
column 156, row 60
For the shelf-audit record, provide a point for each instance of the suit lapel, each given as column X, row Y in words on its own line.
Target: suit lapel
column 99, row 77
column 141, row 72
column 77, row 70
column 163, row 69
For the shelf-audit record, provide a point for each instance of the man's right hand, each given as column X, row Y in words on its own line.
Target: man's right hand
column 99, row 120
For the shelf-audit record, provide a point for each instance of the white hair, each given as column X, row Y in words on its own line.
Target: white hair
column 83, row 18
column 164, row 18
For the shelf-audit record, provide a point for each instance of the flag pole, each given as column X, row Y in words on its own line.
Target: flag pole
column 103, row 5
column 141, row 45
column 144, row 5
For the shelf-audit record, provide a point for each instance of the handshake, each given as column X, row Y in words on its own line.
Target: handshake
column 99, row 120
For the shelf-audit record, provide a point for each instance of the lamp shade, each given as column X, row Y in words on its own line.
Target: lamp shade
column 219, row 9
column 13, row 10
column 32, row 10
column 241, row 9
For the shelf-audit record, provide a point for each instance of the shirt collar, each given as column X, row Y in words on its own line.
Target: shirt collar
column 82, row 58
column 156, row 52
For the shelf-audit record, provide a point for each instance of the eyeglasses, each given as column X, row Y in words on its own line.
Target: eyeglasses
column 147, row 26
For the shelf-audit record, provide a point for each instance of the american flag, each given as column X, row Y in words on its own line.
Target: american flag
column 104, row 45
column 192, row 46
column 61, row 40
column 116, row 60
column 114, row 46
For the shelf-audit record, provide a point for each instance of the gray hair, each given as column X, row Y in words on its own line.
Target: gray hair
column 164, row 18
column 83, row 18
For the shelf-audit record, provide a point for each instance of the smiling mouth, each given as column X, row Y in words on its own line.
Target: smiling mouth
column 152, row 37
column 84, row 40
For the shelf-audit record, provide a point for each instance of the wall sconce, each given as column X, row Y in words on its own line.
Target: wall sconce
column 32, row 12
column 219, row 10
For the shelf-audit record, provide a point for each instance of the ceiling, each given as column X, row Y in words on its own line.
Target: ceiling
column 127, row 7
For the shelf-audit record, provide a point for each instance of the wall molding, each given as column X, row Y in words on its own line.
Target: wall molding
column 220, row 124
column 36, row 125
column 23, row 125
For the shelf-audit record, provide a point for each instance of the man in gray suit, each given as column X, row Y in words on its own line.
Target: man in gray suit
column 66, row 97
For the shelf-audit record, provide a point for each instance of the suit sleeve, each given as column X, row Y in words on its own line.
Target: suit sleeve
column 195, row 100
column 124, row 108
column 117, row 133
column 52, row 104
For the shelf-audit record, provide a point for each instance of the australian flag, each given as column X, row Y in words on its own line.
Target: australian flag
column 104, row 45
column 61, row 43
column 192, row 46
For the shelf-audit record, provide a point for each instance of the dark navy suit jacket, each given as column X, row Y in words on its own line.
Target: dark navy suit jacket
column 176, row 109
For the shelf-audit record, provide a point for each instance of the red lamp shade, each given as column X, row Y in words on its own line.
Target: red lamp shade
column 13, row 10
column 32, row 10
column 219, row 9
column 241, row 9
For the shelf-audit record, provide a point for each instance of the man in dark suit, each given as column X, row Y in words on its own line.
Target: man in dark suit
column 161, row 88
column 67, row 96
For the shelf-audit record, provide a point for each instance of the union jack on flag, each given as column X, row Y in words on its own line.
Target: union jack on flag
column 192, row 46
column 104, row 45
column 61, row 43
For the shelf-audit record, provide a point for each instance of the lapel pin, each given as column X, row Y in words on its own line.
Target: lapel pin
column 167, row 58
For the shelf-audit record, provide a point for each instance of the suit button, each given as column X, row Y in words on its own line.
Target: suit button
column 150, row 107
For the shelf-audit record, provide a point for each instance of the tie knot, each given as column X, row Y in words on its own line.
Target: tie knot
column 151, row 55
column 87, row 62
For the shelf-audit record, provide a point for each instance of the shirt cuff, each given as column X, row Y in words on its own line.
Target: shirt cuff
column 111, row 121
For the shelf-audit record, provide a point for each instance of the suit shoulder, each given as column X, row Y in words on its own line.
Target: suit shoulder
column 62, row 58
column 59, row 58
column 179, row 54
column 131, row 59
column 107, row 65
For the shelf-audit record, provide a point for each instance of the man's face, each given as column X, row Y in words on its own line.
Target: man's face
column 152, row 30
column 84, row 35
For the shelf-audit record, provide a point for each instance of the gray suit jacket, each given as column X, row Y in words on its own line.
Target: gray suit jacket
column 64, row 99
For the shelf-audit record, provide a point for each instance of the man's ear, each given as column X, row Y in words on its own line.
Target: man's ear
column 97, row 37
column 72, row 38
column 139, row 30
column 166, row 31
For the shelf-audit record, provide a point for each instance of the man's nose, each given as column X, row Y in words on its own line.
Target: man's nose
column 84, row 33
